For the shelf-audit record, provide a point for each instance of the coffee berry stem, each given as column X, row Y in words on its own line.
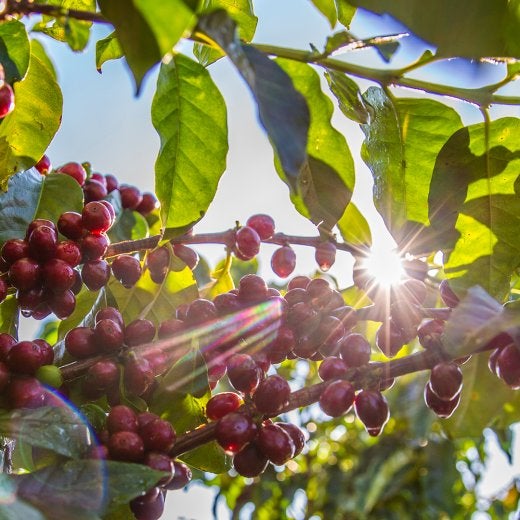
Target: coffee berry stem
column 362, row 377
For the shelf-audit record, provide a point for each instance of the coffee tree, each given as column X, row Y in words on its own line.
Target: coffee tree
column 151, row 367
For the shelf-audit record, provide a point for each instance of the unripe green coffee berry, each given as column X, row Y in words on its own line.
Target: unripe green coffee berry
column 50, row 375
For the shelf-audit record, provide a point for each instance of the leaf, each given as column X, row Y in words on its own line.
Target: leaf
column 59, row 429
column 38, row 50
column 31, row 196
column 189, row 113
column 402, row 141
column 68, row 29
column 85, row 486
column 9, row 316
column 12, row 507
column 210, row 457
column 156, row 302
column 147, row 30
column 15, row 50
column 222, row 281
column 108, row 49
column 350, row 100
column 129, row 225
column 454, row 31
column 473, row 201
column 241, row 11
column 282, row 111
column 354, row 228
column 326, row 180
column 345, row 12
column 28, row 130
column 328, row 9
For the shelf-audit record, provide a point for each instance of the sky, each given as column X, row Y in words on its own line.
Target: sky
column 104, row 123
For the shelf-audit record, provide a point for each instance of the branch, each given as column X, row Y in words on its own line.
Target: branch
column 27, row 7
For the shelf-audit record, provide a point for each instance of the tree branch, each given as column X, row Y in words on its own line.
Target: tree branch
column 27, row 7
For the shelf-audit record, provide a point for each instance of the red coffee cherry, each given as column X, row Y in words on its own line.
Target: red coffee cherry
column 222, row 404
column 283, row 261
column 95, row 274
column 126, row 269
column 122, row 418
column 126, row 446
column 275, row 443
column 262, row 224
column 138, row 332
column 247, row 242
column 70, row 225
column 24, row 274
column 234, row 431
column 272, row 395
column 131, row 197
column 25, row 392
column 96, row 218
column 148, row 203
column 74, row 170
column 6, row 99
column 338, row 398
column 250, row 461
column 372, row 410
column 325, row 255
column 14, row 249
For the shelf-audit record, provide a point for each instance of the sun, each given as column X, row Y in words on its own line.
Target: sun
column 385, row 265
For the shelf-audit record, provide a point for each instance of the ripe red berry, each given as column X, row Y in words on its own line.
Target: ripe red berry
column 126, row 269
column 158, row 435
column 138, row 332
column 252, row 289
column 429, row 333
column 181, row 476
column 338, row 398
column 111, row 182
column 93, row 247
column 355, row 350
column 62, row 304
column 250, row 461
column 158, row 262
column 187, row 255
column 446, row 380
column 412, row 289
column 160, row 462
column 272, row 395
column 296, row 435
column 131, row 197
column 372, row 410
column 200, row 311
column 24, row 274
column 298, row 282
column 6, row 343
column 95, row 274
column 122, row 418
column 247, row 242
column 234, row 431
column 332, row 368
column 390, row 338
column 79, row 342
column 169, row 328
column 283, row 261
column 508, row 365
column 43, row 242
column 57, row 275
column 74, row 170
column 447, row 294
column 94, row 190
column 275, row 443
column 148, row 204
column 5, row 376
column 70, row 225
column 103, row 375
column 138, row 375
column 243, row 372
column 69, row 252
column 110, row 313
column 222, row 404
column 96, row 218
column 14, row 249
column 443, row 409
column 25, row 357
column 227, row 303
column 108, row 336
column 25, row 392
column 126, row 446
column 149, row 506
column 6, row 99
column 325, row 255
column 262, row 224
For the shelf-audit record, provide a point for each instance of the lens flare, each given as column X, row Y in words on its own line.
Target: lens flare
column 385, row 265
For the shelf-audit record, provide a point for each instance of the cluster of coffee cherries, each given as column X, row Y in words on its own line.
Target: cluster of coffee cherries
column 143, row 438
column 24, row 366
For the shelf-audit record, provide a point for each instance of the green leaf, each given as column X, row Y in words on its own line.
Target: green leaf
column 241, row 11
column 328, row 9
column 156, row 302
column 31, row 196
column 85, row 487
column 129, row 225
column 107, row 49
column 354, row 228
column 147, row 30
column 282, row 110
column 38, row 50
column 490, row 29
column 9, row 316
column 28, row 130
column 222, row 280
column 326, row 181
column 189, row 113
column 402, row 141
column 474, row 204
column 59, row 429
column 345, row 12
column 15, row 50
column 210, row 457
column 68, row 29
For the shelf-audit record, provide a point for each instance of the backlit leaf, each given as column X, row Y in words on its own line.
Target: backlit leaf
column 15, row 50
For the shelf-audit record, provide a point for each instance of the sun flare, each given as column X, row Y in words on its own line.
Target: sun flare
column 386, row 266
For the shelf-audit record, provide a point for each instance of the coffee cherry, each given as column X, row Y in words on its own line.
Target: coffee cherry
column 149, row 506
column 446, row 380
column 3, row 289
column 415, row 268
column 95, row 274
column 108, row 336
column 96, row 218
column 283, row 343
column 222, row 404
column 283, row 261
column 247, row 242
column 429, row 333
column 69, row 252
column 126, row 269
column 41, row 312
column 234, row 431
column 103, row 375
column 148, row 203
column 25, row 357
column 79, row 342
column 38, row 222
column 252, row 289
column 298, row 282
column 200, row 311
column 5, row 376
column 262, row 224
column 508, row 365
column 492, row 361
column 181, row 476
column 122, row 418
column 62, row 304
column 138, row 375
column 405, row 314
column 250, row 461
column 138, row 332
column 227, row 303
column 332, row 368
column 24, row 274
column 329, row 333
column 131, row 197
column 110, row 313
column 111, row 182
column 93, row 247
column 6, row 344
column 187, row 255
column 243, row 373
column 338, row 398
column 25, row 392
column 372, row 410
column 272, row 395
column 447, row 294
column 296, row 435
column 6, row 99
column 158, row 262
column 171, row 327
column 126, row 446
column 275, row 443
column 43, row 242
column 390, row 338
column 74, row 170
column 57, row 275
column 111, row 210
column 70, row 225
column 14, row 249
column 325, row 255
column 99, row 177
column 412, row 289
column 160, row 462
column 443, row 409
column 158, row 435
column 355, row 350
